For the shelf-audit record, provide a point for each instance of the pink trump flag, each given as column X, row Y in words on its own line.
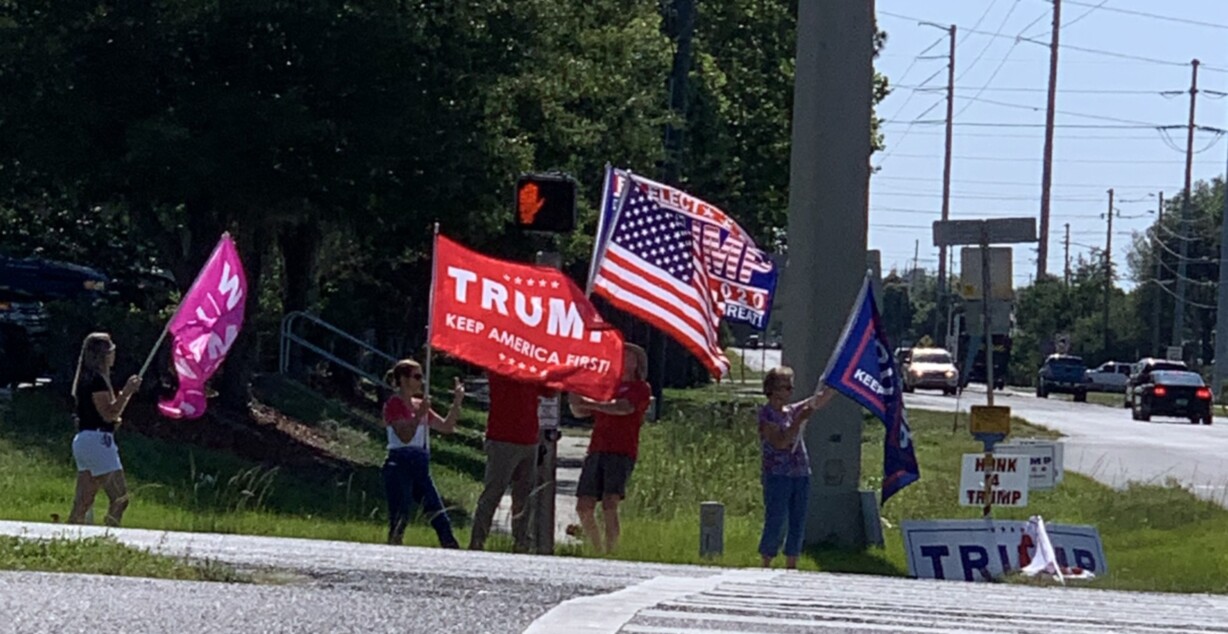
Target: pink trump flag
column 204, row 327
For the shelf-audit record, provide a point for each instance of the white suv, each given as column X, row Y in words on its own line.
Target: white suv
column 931, row 368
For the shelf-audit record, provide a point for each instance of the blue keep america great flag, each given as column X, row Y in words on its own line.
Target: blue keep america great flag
column 863, row 369
column 742, row 275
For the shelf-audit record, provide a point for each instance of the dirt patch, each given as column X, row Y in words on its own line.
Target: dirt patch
column 261, row 434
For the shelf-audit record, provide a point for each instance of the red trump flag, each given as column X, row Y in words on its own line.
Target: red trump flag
column 526, row 322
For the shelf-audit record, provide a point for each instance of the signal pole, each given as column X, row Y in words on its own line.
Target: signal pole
column 1108, row 273
column 946, row 183
column 1178, row 338
column 1046, row 176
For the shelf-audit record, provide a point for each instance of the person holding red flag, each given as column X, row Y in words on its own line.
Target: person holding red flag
column 408, row 418
column 612, row 449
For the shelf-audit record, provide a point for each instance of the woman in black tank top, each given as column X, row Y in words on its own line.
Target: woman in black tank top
column 99, row 409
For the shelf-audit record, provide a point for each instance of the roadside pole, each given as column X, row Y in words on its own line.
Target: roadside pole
column 541, row 504
column 985, row 316
column 988, row 423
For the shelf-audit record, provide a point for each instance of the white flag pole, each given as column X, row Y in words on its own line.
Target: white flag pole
column 430, row 317
column 430, row 314
column 601, row 242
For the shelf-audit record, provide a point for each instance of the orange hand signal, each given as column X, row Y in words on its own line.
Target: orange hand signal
column 529, row 203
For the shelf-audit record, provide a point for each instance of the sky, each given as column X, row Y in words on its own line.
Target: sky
column 1000, row 96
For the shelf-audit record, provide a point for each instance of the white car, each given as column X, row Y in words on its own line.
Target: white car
column 931, row 368
column 1111, row 376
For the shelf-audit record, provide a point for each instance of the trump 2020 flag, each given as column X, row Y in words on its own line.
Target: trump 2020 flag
column 204, row 327
column 741, row 274
column 863, row 369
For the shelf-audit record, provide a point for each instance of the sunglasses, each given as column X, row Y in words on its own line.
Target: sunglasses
column 416, row 377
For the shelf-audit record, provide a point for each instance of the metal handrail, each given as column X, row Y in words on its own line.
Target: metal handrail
column 288, row 337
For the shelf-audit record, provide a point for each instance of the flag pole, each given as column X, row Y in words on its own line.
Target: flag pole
column 165, row 329
column 599, row 248
column 430, row 315
column 157, row 344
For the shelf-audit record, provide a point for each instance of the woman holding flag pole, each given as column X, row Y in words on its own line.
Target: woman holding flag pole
column 99, row 409
column 786, row 465
column 408, row 418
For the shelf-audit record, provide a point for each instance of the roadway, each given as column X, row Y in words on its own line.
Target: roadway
column 326, row 586
column 1108, row 445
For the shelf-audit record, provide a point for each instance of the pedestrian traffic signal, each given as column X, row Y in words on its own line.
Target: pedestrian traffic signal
column 546, row 202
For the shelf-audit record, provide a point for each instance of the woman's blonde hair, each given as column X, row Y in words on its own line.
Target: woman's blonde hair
column 400, row 370
column 641, row 360
column 773, row 378
column 93, row 356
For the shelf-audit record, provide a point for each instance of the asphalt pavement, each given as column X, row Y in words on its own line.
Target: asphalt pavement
column 348, row 587
column 1105, row 443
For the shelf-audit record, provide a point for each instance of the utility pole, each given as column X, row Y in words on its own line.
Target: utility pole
column 1159, row 279
column 829, row 180
column 1066, row 277
column 1219, row 371
column 1046, row 176
column 946, row 182
column 916, row 254
column 1178, row 338
column 1108, row 273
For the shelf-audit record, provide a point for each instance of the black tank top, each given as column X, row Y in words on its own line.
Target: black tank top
column 88, row 417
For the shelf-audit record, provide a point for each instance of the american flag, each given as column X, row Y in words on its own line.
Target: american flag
column 652, row 269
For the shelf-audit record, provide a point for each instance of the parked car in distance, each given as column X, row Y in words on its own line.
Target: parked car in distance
column 1063, row 374
column 930, row 369
column 1111, row 376
column 1140, row 374
column 1177, row 393
column 752, row 341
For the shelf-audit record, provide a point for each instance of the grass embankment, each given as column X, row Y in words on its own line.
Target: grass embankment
column 106, row 556
column 176, row 486
column 1155, row 537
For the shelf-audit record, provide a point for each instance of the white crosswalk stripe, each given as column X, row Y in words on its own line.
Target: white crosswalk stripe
column 791, row 602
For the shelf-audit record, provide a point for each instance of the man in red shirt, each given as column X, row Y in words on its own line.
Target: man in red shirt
column 612, row 448
column 511, row 456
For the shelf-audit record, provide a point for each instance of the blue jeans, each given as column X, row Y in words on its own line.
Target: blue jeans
column 407, row 481
column 784, row 502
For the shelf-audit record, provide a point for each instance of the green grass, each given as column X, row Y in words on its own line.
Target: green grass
column 1158, row 538
column 106, row 556
column 705, row 448
column 183, row 487
column 739, row 371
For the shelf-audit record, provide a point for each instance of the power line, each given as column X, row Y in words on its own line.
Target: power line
column 1087, row 91
column 1020, row 159
column 997, row 69
column 1084, row 14
column 1066, row 137
column 1154, row 16
column 1082, row 49
column 1013, row 183
column 1083, row 126
column 980, row 196
column 989, row 43
column 1068, row 113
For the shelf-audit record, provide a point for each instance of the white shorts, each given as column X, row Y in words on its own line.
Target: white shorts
column 96, row 452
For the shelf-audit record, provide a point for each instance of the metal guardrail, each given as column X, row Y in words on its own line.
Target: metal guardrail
column 290, row 338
